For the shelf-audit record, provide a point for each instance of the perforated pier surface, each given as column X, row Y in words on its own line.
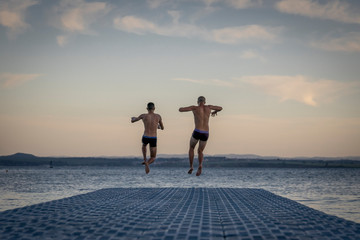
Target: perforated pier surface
column 174, row 213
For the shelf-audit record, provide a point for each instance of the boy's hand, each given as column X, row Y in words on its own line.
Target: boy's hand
column 214, row 113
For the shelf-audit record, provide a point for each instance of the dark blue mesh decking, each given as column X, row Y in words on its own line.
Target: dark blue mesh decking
column 174, row 213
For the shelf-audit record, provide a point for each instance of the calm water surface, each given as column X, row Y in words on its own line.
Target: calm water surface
column 334, row 191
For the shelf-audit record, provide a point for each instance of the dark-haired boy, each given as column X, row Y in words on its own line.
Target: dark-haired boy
column 152, row 122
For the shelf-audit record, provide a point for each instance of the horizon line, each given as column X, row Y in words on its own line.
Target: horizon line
column 185, row 155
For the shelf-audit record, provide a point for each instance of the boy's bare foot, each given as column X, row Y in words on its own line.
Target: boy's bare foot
column 198, row 171
column 143, row 162
column 190, row 171
column 147, row 169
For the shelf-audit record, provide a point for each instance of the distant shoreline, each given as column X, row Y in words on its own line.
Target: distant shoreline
column 21, row 159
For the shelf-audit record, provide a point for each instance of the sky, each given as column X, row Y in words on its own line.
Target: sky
column 74, row 72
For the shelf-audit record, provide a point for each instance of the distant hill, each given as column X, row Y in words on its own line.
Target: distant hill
column 24, row 159
column 254, row 156
column 245, row 156
column 24, row 156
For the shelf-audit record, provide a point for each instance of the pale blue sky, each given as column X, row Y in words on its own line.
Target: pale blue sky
column 286, row 72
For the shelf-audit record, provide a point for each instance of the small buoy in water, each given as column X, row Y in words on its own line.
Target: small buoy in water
column 6, row 170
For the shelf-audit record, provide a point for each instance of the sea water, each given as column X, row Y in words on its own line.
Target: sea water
column 332, row 190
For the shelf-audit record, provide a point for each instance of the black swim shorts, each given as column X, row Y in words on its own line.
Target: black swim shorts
column 149, row 140
column 200, row 135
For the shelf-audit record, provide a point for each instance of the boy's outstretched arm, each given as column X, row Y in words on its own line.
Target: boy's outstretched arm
column 135, row 119
column 216, row 110
column 186, row 109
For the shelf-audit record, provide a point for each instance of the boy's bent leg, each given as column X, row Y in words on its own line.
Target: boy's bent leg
column 152, row 155
column 193, row 143
column 201, row 148
column 191, row 160
column 147, row 169
column 143, row 149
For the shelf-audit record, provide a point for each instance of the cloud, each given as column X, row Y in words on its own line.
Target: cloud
column 229, row 35
column 312, row 92
column 141, row 26
column 334, row 10
column 251, row 54
column 77, row 16
column 62, row 40
column 136, row 25
column 233, row 35
column 214, row 5
column 238, row 4
column 9, row 80
column 12, row 15
column 214, row 82
column 348, row 43
column 300, row 88
column 241, row 4
column 175, row 16
column 155, row 3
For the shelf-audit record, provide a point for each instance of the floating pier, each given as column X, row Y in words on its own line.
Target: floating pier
column 174, row 213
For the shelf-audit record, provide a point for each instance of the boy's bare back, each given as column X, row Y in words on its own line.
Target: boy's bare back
column 151, row 124
column 201, row 117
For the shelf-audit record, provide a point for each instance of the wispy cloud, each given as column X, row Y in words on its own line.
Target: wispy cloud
column 9, row 80
column 238, row 4
column 229, row 35
column 300, row 88
column 214, row 82
column 214, row 5
column 335, row 10
column 12, row 15
column 312, row 92
column 233, row 35
column 62, row 40
column 77, row 16
column 251, row 54
column 348, row 43
column 141, row 26
column 156, row 3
